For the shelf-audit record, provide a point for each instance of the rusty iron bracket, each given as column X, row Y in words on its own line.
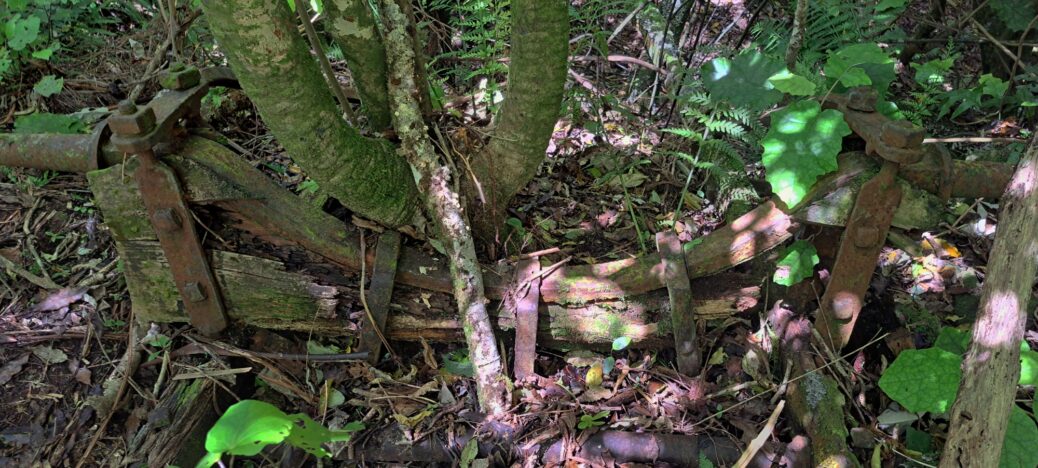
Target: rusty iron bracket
column 147, row 132
column 382, row 279
column 895, row 143
column 525, row 298
column 679, row 291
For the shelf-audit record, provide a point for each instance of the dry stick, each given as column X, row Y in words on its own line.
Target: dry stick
column 44, row 283
column 928, row 141
column 991, row 367
column 326, row 66
column 993, row 40
column 443, row 207
column 758, row 442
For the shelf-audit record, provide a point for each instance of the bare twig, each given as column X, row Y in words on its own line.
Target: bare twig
column 44, row 283
column 929, row 141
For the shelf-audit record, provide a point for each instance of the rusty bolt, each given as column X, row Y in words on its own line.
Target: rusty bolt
column 194, row 292
column 179, row 77
column 862, row 99
column 131, row 120
column 845, row 305
column 166, row 220
column 866, row 236
column 127, row 107
column 902, row 134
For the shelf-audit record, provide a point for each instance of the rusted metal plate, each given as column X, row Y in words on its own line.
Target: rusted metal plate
column 380, row 293
column 525, row 298
column 175, row 228
column 679, row 291
column 856, row 259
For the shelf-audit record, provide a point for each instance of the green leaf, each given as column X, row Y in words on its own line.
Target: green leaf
column 44, row 54
column 890, row 5
column 1018, row 447
column 934, row 71
column 796, row 263
column 1028, row 368
column 308, row 435
column 49, row 85
column 923, row 379
column 743, row 80
column 800, row 146
column 469, row 453
column 43, row 122
column 247, row 427
column 621, row 343
column 791, row 83
column 861, row 65
column 918, row 441
column 22, row 31
column 953, row 340
column 458, row 363
column 993, row 86
column 1016, row 14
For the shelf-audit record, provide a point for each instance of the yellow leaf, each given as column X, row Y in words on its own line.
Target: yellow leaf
column 594, row 376
column 718, row 357
column 949, row 249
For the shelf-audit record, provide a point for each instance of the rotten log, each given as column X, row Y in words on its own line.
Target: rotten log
column 991, row 367
column 815, row 401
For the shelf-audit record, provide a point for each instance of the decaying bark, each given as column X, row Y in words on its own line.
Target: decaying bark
column 796, row 39
column 444, row 209
column 991, row 367
column 353, row 26
column 273, row 63
column 536, row 76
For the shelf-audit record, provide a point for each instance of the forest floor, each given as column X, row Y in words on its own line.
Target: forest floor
column 609, row 184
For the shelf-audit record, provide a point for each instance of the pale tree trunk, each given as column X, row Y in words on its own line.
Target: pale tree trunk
column 991, row 368
column 536, row 77
column 352, row 25
column 273, row 63
column 444, row 208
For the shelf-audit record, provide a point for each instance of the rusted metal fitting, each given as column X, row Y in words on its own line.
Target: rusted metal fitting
column 179, row 77
column 194, row 292
column 902, row 134
column 862, row 99
column 167, row 220
column 131, row 120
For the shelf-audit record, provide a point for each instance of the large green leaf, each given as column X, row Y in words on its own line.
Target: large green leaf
column 21, row 32
column 861, row 65
column 247, row 427
column 791, row 83
column 43, row 122
column 923, row 379
column 743, row 80
column 308, row 435
column 1016, row 14
column 1018, row 447
column 800, row 146
column 49, row 85
column 796, row 263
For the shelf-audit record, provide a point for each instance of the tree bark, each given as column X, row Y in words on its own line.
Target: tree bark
column 444, row 208
column 352, row 25
column 796, row 39
column 274, row 66
column 991, row 367
column 536, row 77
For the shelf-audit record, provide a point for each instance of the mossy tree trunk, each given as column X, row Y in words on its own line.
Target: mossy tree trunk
column 352, row 25
column 273, row 63
column 536, row 77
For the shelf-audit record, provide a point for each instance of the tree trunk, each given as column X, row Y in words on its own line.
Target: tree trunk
column 274, row 66
column 536, row 76
column 444, row 209
column 353, row 27
column 991, row 368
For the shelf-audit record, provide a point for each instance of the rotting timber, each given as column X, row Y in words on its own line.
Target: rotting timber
column 581, row 304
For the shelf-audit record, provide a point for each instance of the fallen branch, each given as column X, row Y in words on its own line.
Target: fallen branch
column 443, row 207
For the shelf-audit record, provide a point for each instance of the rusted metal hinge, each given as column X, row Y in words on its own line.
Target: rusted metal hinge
column 382, row 279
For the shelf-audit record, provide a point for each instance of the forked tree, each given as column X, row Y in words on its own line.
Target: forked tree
column 403, row 181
